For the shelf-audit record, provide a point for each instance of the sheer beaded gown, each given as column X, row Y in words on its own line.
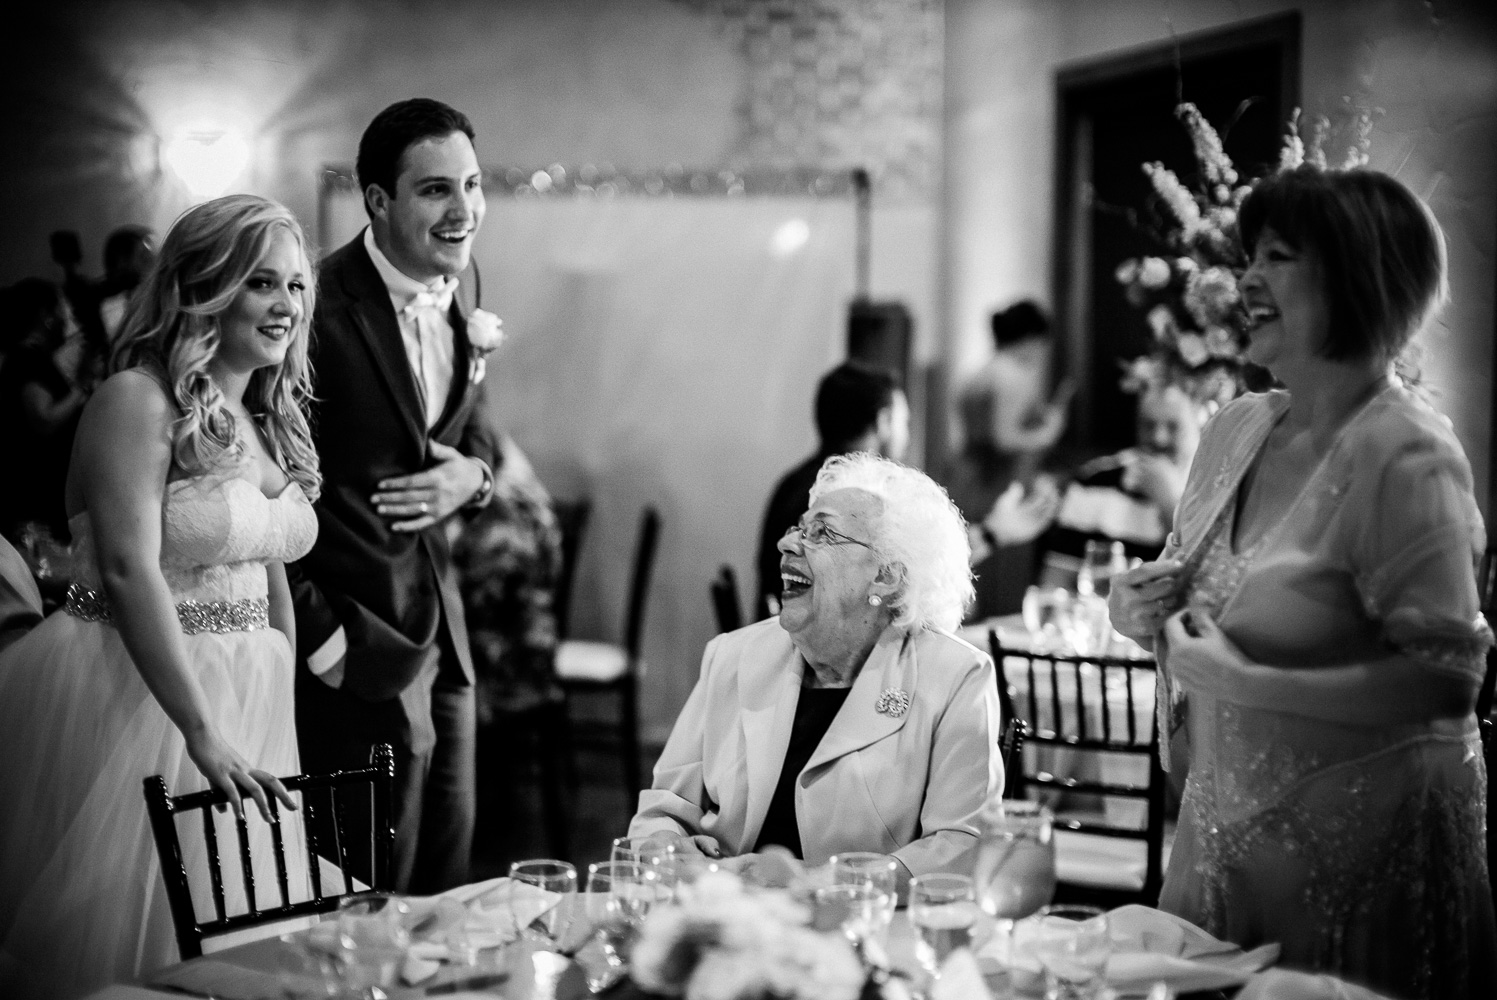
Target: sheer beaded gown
column 1358, row 847
column 82, row 902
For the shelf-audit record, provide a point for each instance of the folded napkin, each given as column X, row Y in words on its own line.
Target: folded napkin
column 1151, row 946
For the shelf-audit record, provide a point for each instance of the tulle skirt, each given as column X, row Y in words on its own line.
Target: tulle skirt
column 82, row 902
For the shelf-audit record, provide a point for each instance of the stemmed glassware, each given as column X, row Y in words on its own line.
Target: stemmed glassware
column 943, row 910
column 620, row 894
column 878, row 874
column 1015, row 869
column 1047, row 618
column 547, row 925
column 1071, row 944
column 373, row 938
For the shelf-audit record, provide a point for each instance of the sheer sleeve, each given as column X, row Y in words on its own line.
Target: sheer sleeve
column 1414, row 559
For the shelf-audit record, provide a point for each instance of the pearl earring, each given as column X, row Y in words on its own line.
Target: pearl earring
column 875, row 600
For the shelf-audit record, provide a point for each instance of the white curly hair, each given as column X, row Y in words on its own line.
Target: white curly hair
column 918, row 529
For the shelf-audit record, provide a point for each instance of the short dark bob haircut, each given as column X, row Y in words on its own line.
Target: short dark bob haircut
column 398, row 128
column 1380, row 250
column 1018, row 322
column 849, row 400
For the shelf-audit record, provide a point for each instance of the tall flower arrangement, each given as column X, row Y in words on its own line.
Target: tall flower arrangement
column 1188, row 289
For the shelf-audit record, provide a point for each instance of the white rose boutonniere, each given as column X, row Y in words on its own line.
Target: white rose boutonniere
column 485, row 333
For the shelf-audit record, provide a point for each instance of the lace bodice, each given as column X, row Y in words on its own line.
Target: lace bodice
column 217, row 535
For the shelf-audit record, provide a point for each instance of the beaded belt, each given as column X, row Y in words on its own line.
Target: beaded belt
column 196, row 616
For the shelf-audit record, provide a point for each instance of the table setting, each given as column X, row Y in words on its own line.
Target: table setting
column 658, row 921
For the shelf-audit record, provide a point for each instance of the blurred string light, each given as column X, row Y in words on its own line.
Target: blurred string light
column 207, row 160
column 789, row 237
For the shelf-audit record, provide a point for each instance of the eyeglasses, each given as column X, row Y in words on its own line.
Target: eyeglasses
column 817, row 533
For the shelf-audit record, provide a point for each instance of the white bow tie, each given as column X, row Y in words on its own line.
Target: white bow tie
column 426, row 300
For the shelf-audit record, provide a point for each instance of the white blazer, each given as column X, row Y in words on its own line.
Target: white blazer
column 910, row 785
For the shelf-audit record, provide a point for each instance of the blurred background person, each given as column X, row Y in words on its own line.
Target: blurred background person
column 42, row 394
column 129, row 253
column 1129, row 496
column 1009, row 422
column 858, row 408
column 877, row 574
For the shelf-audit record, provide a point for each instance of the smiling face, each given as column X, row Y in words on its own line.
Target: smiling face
column 826, row 585
column 1283, row 290
column 1169, row 424
column 256, row 330
column 426, row 229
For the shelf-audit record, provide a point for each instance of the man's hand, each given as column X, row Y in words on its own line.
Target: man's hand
column 431, row 494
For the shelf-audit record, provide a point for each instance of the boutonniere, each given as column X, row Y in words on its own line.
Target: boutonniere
column 485, row 333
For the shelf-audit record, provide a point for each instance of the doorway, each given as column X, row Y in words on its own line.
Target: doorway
column 1115, row 114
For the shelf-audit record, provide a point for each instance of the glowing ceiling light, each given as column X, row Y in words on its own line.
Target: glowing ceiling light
column 207, row 160
column 790, row 237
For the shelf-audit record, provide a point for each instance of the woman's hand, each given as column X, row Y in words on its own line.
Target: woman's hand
column 1203, row 659
column 698, row 844
column 1143, row 597
column 231, row 774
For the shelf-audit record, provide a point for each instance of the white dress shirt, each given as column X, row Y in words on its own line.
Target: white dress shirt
column 421, row 308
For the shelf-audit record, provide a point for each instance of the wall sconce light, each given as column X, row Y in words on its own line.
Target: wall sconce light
column 207, row 160
column 789, row 237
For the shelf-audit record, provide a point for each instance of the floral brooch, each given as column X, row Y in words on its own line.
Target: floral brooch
column 893, row 702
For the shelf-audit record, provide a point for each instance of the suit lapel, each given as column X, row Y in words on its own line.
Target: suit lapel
column 891, row 666
column 771, row 689
column 371, row 313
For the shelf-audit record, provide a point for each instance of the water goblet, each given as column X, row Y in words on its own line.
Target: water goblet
column 1071, row 944
column 861, row 911
column 659, row 852
column 878, row 871
column 944, row 912
column 1047, row 617
column 307, row 968
column 373, row 937
column 1015, row 869
column 620, row 894
column 533, row 918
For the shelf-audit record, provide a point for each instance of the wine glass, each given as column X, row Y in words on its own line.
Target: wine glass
column 620, row 894
column 1047, row 617
column 373, row 937
column 860, row 910
column 532, row 916
column 943, row 911
column 879, row 872
column 1071, row 944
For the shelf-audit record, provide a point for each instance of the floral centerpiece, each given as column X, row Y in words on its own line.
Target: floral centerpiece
column 721, row 940
column 1188, row 288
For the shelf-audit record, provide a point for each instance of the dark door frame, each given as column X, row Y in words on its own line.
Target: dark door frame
column 1070, row 281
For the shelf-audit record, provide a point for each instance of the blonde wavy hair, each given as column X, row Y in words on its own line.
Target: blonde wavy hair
column 917, row 529
column 172, row 330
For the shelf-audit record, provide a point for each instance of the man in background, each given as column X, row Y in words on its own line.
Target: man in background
column 858, row 408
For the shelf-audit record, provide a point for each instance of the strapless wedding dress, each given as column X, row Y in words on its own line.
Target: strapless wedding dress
column 82, row 902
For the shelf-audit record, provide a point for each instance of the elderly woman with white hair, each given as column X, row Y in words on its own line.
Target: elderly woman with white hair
column 855, row 721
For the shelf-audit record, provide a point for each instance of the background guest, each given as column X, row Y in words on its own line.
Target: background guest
column 858, row 408
column 129, row 253
column 1129, row 496
column 41, row 397
column 1324, row 668
column 859, row 676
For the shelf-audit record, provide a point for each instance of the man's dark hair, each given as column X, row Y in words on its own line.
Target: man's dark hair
column 1019, row 321
column 848, row 402
column 396, row 129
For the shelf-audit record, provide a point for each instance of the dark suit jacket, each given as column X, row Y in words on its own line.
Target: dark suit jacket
column 394, row 593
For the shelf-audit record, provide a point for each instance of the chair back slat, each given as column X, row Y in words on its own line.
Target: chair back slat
column 163, row 809
column 278, row 846
column 639, row 583
column 210, row 837
column 241, row 829
column 340, row 836
column 571, row 521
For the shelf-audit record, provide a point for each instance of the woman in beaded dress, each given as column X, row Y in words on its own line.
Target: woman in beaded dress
column 190, row 486
column 1316, row 618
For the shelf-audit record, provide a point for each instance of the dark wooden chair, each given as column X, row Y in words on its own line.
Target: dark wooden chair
column 1092, row 709
column 374, row 781
column 725, row 600
column 584, row 667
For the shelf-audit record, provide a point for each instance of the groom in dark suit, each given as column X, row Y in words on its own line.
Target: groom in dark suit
column 398, row 419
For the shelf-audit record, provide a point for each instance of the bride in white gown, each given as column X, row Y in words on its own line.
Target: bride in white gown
column 190, row 486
